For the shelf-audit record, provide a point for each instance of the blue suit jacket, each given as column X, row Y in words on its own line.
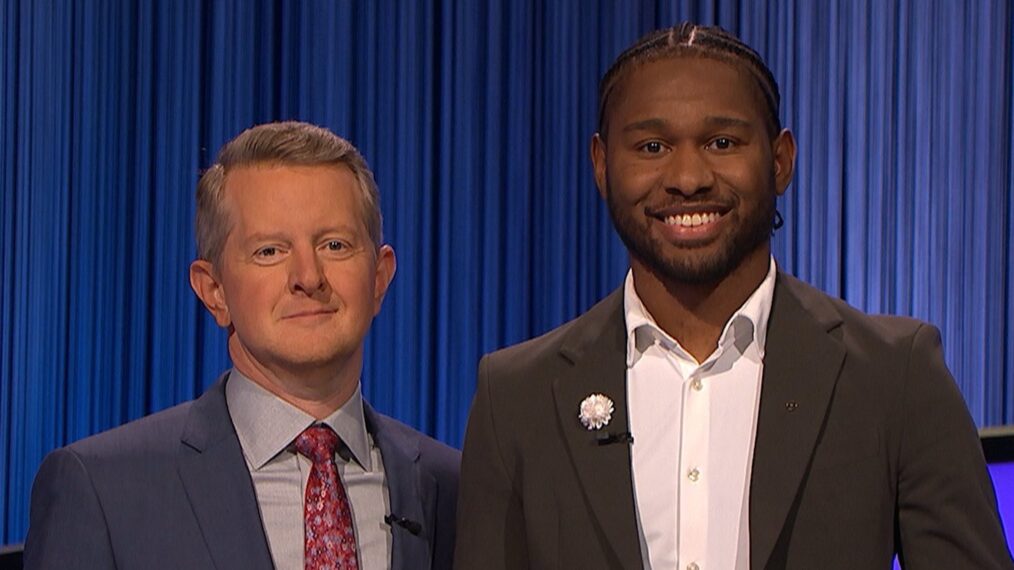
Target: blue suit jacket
column 172, row 490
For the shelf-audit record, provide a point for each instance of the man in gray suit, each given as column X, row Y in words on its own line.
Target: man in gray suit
column 281, row 463
column 715, row 413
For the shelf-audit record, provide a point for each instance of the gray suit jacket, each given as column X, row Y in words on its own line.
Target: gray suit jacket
column 172, row 490
column 864, row 447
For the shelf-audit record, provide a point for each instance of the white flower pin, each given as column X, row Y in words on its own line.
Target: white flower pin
column 596, row 411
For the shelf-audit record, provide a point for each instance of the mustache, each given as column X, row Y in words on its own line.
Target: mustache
column 677, row 206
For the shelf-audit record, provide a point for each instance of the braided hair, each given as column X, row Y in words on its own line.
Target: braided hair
column 689, row 39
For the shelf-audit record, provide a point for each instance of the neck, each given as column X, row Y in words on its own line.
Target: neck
column 695, row 313
column 314, row 389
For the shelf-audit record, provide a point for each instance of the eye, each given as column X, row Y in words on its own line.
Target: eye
column 266, row 252
column 721, row 143
column 337, row 248
column 653, row 147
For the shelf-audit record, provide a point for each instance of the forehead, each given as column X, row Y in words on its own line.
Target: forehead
column 263, row 194
column 687, row 87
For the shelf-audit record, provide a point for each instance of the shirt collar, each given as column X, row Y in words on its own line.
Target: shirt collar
column 266, row 425
column 748, row 323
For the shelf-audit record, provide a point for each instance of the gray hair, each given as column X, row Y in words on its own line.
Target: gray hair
column 286, row 143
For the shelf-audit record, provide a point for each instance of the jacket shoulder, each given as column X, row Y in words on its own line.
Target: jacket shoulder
column 158, row 433
column 561, row 342
column 857, row 326
column 438, row 457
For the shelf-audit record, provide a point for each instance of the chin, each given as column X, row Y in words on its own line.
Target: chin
column 321, row 353
column 691, row 274
column 702, row 267
column 307, row 365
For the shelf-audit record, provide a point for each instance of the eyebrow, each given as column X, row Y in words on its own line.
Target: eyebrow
column 645, row 125
column 655, row 124
column 720, row 121
column 261, row 236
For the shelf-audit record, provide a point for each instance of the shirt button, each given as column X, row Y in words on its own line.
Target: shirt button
column 693, row 566
column 694, row 475
column 696, row 384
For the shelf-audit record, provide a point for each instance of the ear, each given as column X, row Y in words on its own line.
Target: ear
column 784, row 150
column 209, row 290
column 598, row 158
column 387, row 264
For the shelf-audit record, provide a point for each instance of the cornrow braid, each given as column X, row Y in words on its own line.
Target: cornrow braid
column 691, row 39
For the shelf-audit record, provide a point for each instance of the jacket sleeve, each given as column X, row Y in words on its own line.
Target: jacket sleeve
column 947, row 515
column 67, row 528
column 491, row 531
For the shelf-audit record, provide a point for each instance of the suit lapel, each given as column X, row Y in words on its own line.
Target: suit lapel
column 801, row 367
column 412, row 493
column 218, row 484
column 596, row 350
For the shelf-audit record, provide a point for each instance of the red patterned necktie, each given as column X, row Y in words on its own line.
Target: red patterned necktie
column 329, row 540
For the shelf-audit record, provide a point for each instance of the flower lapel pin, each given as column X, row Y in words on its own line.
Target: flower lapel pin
column 596, row 411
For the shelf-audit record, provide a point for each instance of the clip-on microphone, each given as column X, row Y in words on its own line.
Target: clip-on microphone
column 611, row 438
column 407, row 524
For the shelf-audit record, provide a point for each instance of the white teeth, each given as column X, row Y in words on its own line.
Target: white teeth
column 691, row 220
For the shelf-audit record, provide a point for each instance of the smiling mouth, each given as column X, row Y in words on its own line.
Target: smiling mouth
column 691, row 225
column 692, row 220
column 313, row 313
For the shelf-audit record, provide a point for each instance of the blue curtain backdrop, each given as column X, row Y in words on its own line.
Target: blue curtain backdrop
column 476, row 118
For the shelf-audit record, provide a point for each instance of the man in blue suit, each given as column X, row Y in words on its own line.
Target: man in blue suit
column 281, row 463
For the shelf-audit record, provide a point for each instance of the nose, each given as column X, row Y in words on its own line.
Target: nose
column 305, row 271
column 688, row 171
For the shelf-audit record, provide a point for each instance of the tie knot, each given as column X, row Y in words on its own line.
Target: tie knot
column 317, row 443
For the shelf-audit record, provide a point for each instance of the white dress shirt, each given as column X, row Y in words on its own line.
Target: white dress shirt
column 694, row 426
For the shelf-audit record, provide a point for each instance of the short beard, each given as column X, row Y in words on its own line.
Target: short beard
column 751, row 234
